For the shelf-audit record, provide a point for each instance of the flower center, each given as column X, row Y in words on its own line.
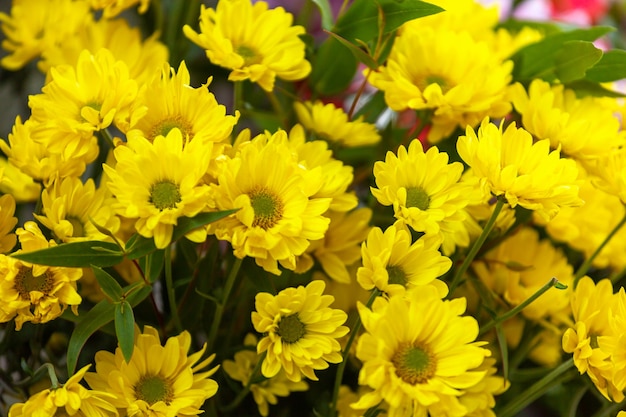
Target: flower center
column 78, row 228
column 417, row 197
column 291, row 329
column 25, row 282
column 414, row 363
column 435, row 79
column 396, row 275
column 268, row 208
column 165, row 195
column 154, row 388
column 249, row 55
column 165, row 126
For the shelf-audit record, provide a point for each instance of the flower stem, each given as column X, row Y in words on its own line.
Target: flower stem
column 556, row 376
column 358, row 95
column 278, row 109
column 171, row 293
column 246, row 389
column 477, row 244
column 552, row 283
column 219, row 307
column 54, row 381
column 582, row 270
column 346, row 351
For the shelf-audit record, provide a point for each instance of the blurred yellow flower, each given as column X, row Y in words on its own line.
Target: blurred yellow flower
column 7, row 223
column 112, row 8
column 21, row 186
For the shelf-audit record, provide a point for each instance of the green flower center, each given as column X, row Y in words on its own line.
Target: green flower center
column 417, row 197
column 268, row 208
column 435, row 79
column 25, row 282
column 165, row 195
column 291, row 329
column 165, row 126
column 396, row 275
column 154, row 388
column 249, row 55
column 78, row 228
column 414, row 363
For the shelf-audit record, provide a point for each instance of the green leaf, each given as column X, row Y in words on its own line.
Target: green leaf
column 333, row 68
column 573, row 60
column 109, row 285
column 125, row 328
column 611, row 67
column 326, row 13
column 585, row 88
column 361, row 20
column 152, row 265
column 75, row 255
column 358, row 53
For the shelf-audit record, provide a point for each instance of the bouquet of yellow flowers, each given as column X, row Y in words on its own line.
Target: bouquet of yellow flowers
column 318, row 208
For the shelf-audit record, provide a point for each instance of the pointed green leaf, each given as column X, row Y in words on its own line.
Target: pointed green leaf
column 152, row 265
column 573, row 60
column 611, row 67
column 361, row 20
column 358, row 53
column 75, row 255
column 326, row 13
column 585, row 88
column 109, row 285
column 333, row 69
column 125, row 328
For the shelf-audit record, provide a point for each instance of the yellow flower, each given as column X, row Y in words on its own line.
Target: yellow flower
column 479, row 399
column 255, row 43
column 419, row 354
column 424, row 190
column 159, row 182
column 300, row 331
column 328, row 122
column 278, row 215
column 35, row 293
column 158, row 381
column 70, row 399
column 7, row 223
column 264, row 392
column 21, row 186
column 524, row 172
column 71, row 208
column 581, row 128
column 609, row 173
column 112, row 8
column 391, row 262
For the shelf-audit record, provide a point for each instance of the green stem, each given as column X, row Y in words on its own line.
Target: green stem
column 477, row 244
column 54, row 381
column 246, row 389
column 582, row 270
column 171, row 293
column 238, row 102
column 219, row 307
column 358, row 94
column 278, row 109
column 610, row 409
column 556, row 376
column 552, row 283
column 346, row 351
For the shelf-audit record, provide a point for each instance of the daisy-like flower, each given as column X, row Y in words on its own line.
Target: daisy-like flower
column 581, row 127
column 419, row 354
column 328, row 122
column 265, row 392
column 523, row 171
column 300, row 331
column 255, row 42
column 35, row 293
column 608, row 173
column 157, row 183
column 278, row 214
column 7, row 223
column 111, row 8
column 479, row 399
column 158, row 381
column 392, row 263
column 424, row 189
column 70, row 210
column 21, row 186
column 69, row 399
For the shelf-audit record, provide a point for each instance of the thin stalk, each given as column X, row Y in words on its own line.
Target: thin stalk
column 278, row 109
column 477, row 244
column 358, row 94
column 246, row 389
column 54, row 381
column 171, row 292
column 582, row 270
column 219, row 307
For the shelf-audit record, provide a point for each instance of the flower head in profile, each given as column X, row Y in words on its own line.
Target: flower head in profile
column 159, row 380
column 15, row 182
column 69, row 399
column 157, row 183
column 7, row 223
column 265, row 392
column 328, row 122
column 525, row 172
column 419, row 354
column 31, row 292
column 300, row 331
column 256, row 43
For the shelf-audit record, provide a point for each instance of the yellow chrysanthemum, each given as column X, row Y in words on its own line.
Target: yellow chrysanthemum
column 111, row 8
column 300, row 331
column 7, row 223
column 593, row 306
column 158, row 381
column 71, row 210
column 468, row 16
column 21, row 186
column 159, row 182
column 35, row 293
column 608, row 173
column 581, row 128
column 328, row 122
column 392, row 263
column 523, row 171
column 70, row 399
column 255, row 42
column 479, row 400
column 265, row 392
column 615, row 342
column 424, row 190
column 459, row 79
column 278, row 214
column 419, row 354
